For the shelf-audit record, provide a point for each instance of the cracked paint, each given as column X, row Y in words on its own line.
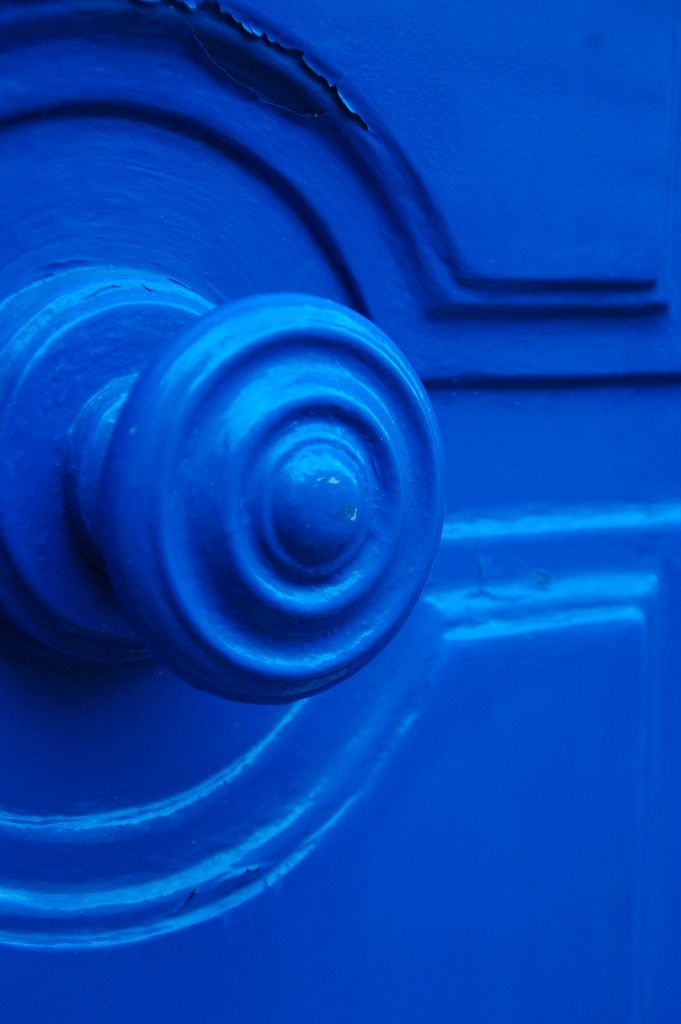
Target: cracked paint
column 291, row 82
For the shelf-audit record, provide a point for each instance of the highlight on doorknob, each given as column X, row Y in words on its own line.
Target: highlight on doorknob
column 256, row 502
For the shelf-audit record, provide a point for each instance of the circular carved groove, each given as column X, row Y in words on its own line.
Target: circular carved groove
column 112, row 827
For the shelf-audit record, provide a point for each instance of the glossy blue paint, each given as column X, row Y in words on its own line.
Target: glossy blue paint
column 266, row 498
column 483, row 822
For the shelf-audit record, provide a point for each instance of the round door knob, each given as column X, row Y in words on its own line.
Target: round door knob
column 265, row 497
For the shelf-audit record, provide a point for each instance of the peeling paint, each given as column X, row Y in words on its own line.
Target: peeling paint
column 290, row 80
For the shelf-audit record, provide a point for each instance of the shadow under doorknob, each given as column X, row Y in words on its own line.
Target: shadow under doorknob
column 262, row 499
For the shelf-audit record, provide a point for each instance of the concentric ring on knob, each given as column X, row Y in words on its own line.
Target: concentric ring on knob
column 273, row 497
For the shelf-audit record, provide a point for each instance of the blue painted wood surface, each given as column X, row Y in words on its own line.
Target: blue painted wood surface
column 484, row 823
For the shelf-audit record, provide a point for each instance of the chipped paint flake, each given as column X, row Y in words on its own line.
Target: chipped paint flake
column 325, row 95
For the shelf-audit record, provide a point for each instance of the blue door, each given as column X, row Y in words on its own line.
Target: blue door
column 278, row 283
